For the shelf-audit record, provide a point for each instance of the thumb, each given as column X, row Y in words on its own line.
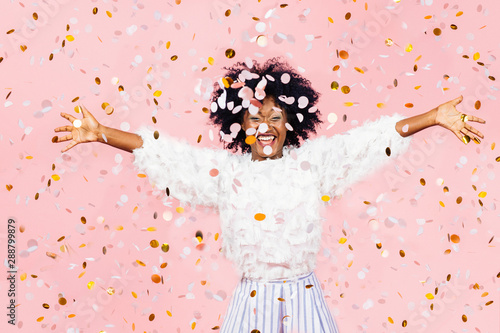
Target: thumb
column 85, row 112
column 457, row 100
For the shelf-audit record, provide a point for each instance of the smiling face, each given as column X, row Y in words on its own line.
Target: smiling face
column 268, row 126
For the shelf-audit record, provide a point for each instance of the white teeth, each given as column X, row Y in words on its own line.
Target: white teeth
column 265, row 138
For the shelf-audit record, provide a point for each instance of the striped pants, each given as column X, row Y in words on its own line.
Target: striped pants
column 279, row 306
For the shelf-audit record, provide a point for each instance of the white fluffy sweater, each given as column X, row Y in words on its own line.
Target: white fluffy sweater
column 287, row 191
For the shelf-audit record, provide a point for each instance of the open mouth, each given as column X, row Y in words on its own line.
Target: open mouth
column 266, row 140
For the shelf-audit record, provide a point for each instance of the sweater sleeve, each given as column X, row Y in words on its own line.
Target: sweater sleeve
column 190, row 173
column 347, row 158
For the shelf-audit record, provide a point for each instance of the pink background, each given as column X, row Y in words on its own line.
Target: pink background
column 364, row 286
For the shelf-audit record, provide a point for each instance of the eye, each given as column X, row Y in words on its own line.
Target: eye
column 276, row 118
column 254, row 118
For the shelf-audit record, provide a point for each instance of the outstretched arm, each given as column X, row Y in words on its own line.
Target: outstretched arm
column 445, row 115
column 88, row 129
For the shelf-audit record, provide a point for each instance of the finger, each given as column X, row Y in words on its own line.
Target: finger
column 65, row 138
column 68, row 116
column 474, row 131
column 68, row 147
column 85, row 112
column 63, row 129
column 459, row 136
column 476, row 119
column 457, row 100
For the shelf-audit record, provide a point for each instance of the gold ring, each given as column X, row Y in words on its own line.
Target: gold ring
column 464, row 118
column 466, row 139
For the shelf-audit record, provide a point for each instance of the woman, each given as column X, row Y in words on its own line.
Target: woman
column 270, row 196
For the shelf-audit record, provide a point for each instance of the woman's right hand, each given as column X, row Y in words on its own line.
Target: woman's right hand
column 89, row 131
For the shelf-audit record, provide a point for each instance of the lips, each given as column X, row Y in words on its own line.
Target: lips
column 266, row 139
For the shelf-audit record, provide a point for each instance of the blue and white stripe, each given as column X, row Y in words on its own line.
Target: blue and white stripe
column 280, row 306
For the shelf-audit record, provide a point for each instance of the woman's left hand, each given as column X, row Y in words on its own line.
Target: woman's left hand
column 448, row 117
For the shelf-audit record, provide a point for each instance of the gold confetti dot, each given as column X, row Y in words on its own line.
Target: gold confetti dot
column 51, row 56
column 347, row 16
column 482, row 194
column 62, row 301
column 388, row 151
column 230, row 53
column 455, row 238
column 37, row 195
column 157, row 93
column 70, row 38
column 437, row 31
column 174, row 58
column 409, row 105
column 464, row 318
column 343, row 54
column 422, row 181
column 179, row 210
column 336, row 68
column 453, row 27
column 402, row 253
column 379, row 245
column 459, row 200
column 342, row 240
column 169, row 313
column 448, row 251
column 389, row 42
column 334, row 85
column 441, row 203
column 253, row 293
column 109, row 13
column 250, row 140
column 330, row 19
column 281, row 299
column 45, row 306
column 23, row 47
column 227, row 13
column 193, row 325
column 110, row 290
column 156, row 135
column 165, row 247
column 429, row 296
column 95, row 10
column 152, row 317
column 380, row 105
column 156, row 278
column 460, row 13
column 404, row 323
column 409, row 48
column 325, row 198
column 39, row 319
column 257, row 331
column 154, row 243
column 390, row 320
column 345, row 89
column 260, row 217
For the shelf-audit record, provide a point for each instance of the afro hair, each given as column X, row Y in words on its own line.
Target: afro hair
column 291, row 92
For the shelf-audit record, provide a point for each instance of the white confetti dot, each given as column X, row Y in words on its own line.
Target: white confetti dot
column 385, row 253
column 332, row 118
column 125, row 126
column 100, row 219
column 260, row 27
column 268, row 150
column 361, row 275
column 118, row 158
column 77, row 123
column 251, row 131
column 263, row 128
column 300, row 117
column 262, row 41
column 186, row 251
column 138, row 59
column 470, row 36
column 303, row 102
column 368, row 304
column 285, row 78
column 289, row 127
column 167, row 215
column 235, row 128
column 114, row 81
column 73, row 20
column 405, row 128
column 463, row 160
column 123, row 198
